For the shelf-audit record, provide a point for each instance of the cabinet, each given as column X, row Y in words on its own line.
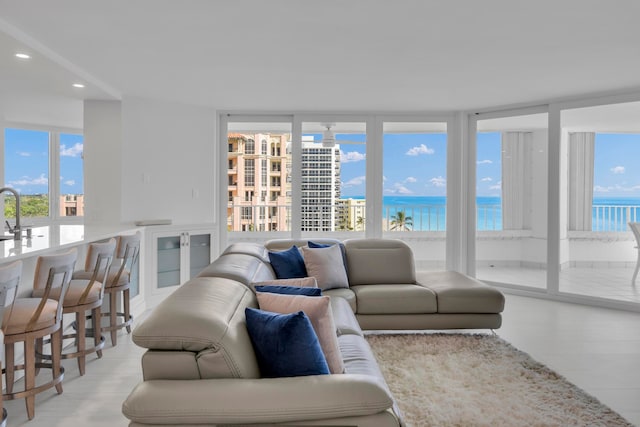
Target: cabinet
column 180, row 255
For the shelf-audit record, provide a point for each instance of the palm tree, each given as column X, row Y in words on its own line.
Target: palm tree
column 400, row 221
column 360, row 222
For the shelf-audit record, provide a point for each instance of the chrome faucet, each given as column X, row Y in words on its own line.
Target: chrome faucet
column 17, row 232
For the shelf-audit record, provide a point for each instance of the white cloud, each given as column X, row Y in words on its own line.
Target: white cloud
column 617, row 188
column 410, row 179
column 486, row 179
column 25, row 180
column 485, row 162
column 398, row 188
column 24, row 154
column 74, row 151
column 438, row 181
column 70, row 182
column 496, row 187
column 358, row 180
column 351, row 156
column 420, row 149
column 617, row 170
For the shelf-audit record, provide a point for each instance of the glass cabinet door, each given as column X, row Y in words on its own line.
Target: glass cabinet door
column 199, row 253
column 169, row 261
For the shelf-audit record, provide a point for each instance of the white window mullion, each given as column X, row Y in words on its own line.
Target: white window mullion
column 54, row 175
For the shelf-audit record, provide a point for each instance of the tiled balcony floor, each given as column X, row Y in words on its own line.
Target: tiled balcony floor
column 610, row 283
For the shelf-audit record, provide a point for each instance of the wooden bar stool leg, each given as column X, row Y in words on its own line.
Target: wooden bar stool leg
column 113, row 317
column 9, row 351
column 81, row 333
column 125, row 302
column 39, row 351
column 96, row 315
column 30, row 375
column 56, row 352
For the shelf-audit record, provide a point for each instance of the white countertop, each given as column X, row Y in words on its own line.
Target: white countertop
column 48, row 239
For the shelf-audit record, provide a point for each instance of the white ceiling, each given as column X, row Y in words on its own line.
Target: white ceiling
column 297, row 55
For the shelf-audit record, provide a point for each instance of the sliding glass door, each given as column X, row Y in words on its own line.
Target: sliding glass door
column 511, row 200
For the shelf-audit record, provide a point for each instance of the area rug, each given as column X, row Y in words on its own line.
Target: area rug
column 480, row 380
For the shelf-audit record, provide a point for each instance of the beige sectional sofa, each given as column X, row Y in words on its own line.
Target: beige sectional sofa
column 200, row 367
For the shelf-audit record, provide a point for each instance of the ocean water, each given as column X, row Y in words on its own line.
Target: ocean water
column 428, row 213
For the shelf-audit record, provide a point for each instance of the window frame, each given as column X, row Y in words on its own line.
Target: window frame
column 54, row 171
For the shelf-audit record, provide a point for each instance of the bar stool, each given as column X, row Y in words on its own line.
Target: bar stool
column 86, row 295
column 9, row 281
column 29, row 320
column 119, row 280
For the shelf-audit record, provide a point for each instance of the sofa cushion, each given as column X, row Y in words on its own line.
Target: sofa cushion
column 249, row 248
column 184, row 322
column 239, row 267
column 343, row 317
column 379, row 261
column 288, row 264
column 327, row 266
column 347, row 294
column 286, row 345
column 290, row 290
column 395, row 299
column 319, row 311
column 459, row 293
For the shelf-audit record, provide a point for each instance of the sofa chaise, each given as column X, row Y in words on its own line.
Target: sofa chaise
column 201, row 369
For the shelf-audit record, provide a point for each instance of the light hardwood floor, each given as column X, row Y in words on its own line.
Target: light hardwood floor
column 596, row 349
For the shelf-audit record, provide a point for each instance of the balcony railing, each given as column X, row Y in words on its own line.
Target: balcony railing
column 608, row 218
column 613, row 217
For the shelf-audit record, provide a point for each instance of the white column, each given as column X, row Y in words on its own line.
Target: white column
column 516, row 180
column 581, row 152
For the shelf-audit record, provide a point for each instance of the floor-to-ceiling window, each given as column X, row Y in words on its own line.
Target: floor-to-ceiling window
column 333, row 177
column 414, row 172
column 511, row 200
column 258, row 181
column 603, row 181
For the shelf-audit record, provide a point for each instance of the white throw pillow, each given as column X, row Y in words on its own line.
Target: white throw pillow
column 327, row 266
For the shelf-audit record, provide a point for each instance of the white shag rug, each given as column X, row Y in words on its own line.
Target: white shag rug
column 480, row 380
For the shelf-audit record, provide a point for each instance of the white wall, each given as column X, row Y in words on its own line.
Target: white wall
column 169, row 161
column 102, row 162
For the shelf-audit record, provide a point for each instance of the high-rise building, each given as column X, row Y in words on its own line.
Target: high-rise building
column 320, row 187
column 259, row 194
column 259, row 184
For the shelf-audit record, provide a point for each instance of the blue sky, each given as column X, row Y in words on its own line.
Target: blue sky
column 27, row 162
column 414, row 164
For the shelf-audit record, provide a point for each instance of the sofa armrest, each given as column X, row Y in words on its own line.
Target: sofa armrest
column 266, row 400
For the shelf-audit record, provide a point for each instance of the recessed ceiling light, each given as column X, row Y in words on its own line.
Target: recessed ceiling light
column 78, row 85
column 22, row 55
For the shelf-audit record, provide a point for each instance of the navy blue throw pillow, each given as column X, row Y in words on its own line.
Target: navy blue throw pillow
column 290, row 290
column 288, row 264
column 342, row 249
column 285, row 344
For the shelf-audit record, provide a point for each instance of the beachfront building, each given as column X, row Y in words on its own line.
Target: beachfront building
column 257, row 184
column 320, row 187
column 351, row 214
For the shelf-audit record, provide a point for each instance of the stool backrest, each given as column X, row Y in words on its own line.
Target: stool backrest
column 127, row 251
column 99, row 258
column 9, row 281
column 53, row 271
